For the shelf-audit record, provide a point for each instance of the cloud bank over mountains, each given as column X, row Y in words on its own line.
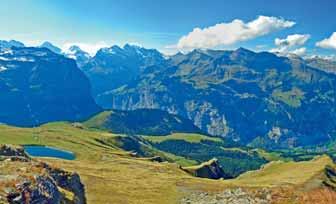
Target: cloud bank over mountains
column 226, row 34
column 291, row 44
column 328, row 43
column 232, row 32
column 292, row 40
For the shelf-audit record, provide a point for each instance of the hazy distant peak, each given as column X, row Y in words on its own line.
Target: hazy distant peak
column 75, row 48
column 51, row 47
column 11, row 43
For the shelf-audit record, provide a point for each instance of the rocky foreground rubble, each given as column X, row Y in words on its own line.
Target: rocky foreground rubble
column 27, row 181
column 229, row 196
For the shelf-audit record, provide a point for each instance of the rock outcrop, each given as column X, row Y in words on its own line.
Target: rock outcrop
column 43, row 190
column 210, row 169
column 70, row 182
column 330, row 177
column 30, row 182
column 12, row 151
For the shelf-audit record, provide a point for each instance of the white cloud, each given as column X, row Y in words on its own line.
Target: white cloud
column 285, row 52
column 91, row 48
column 232, row 32
column 292, row 40
column 329, row 43
column 300, row 51
column 279, row 49
column 290, row 44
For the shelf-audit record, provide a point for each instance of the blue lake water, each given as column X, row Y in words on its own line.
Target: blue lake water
column 44, row 151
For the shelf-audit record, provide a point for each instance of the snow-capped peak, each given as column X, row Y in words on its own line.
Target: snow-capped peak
column 76, row 53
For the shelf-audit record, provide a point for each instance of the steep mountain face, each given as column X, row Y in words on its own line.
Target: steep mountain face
column 259, row 99
column 142, row 122
column 112, row 67
column 79, row 55
column 38, row 86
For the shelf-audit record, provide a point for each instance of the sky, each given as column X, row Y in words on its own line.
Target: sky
column 304, row 27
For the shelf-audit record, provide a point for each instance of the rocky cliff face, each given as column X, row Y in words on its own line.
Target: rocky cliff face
column 39, row 86
column 259, row 99
column 29, row 181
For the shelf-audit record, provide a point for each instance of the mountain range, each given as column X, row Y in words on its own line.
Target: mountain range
column 257, row 99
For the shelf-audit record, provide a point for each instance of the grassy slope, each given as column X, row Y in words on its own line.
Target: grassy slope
column 73, row 137
column 112, row 176
column 292, row 98
column 62, row 135
column 279, row 173
column 188, row 137
column 97, row 120
column 134, row 122
column 128, row 180
column 272, row 156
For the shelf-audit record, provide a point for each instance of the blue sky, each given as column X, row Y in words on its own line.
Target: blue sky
column 162, row 24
